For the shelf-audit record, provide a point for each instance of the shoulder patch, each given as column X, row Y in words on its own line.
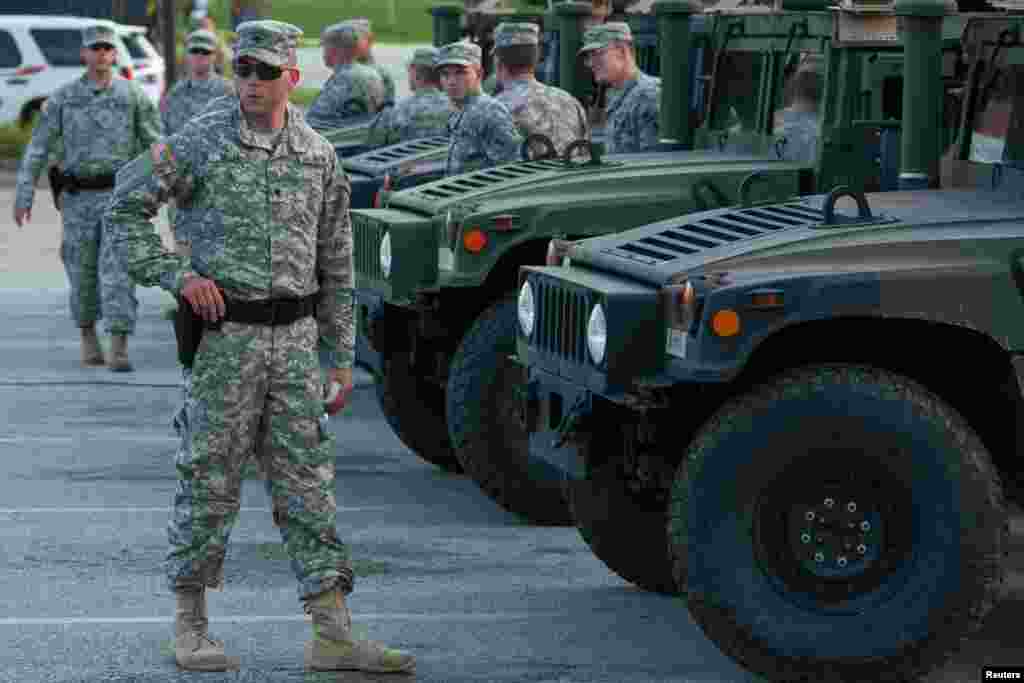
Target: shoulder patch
column 161, row 152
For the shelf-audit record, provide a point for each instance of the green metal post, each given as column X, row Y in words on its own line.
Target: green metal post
column 570, row 40
column 920, row 146
column 674, row 47
column 447, row 25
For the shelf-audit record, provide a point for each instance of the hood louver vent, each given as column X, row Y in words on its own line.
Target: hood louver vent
column 690, row 238
column 478, row 180
column 378, row 161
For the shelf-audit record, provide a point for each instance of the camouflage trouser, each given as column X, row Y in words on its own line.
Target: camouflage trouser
column 256, row 390
column 97, row 272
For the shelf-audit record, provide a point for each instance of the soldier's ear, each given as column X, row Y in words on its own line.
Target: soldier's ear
column 294, row 76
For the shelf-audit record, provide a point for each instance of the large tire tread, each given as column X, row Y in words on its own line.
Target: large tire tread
column 982, row 587
column 469, row 425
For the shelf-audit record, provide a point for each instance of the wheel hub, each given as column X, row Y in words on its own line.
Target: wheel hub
column 836, row 537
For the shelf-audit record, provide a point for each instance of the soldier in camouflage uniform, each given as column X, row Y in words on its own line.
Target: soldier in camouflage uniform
column 367, row 59
column 354, row 89
column 190, row 96
column 799, row 124
column 94, row 125
column 270, row 274
column 536, row 108
column 422, row 114
column 634, row 96
column 482, row 130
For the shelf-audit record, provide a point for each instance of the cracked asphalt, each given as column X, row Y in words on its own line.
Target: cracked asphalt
column 477, row 595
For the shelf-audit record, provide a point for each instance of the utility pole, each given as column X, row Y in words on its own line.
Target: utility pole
column 166, row 21
column 119, row 11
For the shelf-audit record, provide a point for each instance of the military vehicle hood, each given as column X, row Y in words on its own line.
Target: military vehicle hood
column 534, row 183
column 395, row 158
column 794, row 237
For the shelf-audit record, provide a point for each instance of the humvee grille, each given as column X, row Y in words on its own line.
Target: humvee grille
column 470, row 182
column 562, row 314
column 692, row 237
column 367, row 235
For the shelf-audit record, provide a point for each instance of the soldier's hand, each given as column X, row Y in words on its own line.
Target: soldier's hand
column 340, row 380
column 204, row 297
column 22, row 215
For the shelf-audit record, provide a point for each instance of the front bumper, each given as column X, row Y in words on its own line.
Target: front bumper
column 367, row 307
column 551, row 405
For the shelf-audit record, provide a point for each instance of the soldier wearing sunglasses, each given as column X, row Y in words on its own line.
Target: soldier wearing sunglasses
column 269, row 280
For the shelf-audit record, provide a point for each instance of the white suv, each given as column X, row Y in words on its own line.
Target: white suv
column 39, row 54
column 148, row 64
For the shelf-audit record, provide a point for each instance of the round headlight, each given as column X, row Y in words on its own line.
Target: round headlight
column 597, row 334
column 385, row 255
column 527, row 312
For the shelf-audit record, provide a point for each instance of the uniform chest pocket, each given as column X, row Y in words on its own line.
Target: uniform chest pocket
column 111, row 115
column 234, row 202
column 296, row 194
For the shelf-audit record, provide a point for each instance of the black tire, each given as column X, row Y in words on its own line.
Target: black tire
column 623, row 530
column 486, row 430
column 415, row 411
column 790, row 604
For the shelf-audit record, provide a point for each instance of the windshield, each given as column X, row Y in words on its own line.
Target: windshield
column 135, row 42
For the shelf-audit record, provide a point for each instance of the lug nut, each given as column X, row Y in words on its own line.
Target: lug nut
column 819, row 539
column 829, row 502
column 865, row 526
column 819, row 557
column 851, row 507
column 805, row 538
column 841, row 560
column 861, row 549
column 810, row 515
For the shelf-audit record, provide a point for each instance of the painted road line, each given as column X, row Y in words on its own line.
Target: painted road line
column 272, row 618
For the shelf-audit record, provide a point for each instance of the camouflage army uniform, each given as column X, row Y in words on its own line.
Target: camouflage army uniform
column 252, row 384
column 353, row 90
column 544, row 109
column 385, row 78
column 423, row 114
column 483, row 132
column 800, row 130
column 188, row 98
column 93, row 131
column 632, row 111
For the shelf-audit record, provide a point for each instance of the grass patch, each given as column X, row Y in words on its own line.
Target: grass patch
column 13, row 140
column 304, row 96
column 412, row 23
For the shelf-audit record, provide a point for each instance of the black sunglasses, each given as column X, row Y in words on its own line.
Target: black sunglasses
column 264, row 72
column 200, row 51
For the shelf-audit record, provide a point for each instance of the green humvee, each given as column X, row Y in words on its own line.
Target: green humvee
column 807, row 418
column 436, row 269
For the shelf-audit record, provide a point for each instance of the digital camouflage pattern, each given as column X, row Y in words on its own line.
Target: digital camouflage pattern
column 253, row 388
column 353, row 90
column 545, row 109
column 483, row 134
column 632, row 124
column 99, row 34
column 602, row 35
column 385, row 78
column 800, row 131
column 189, row 97
column 91, row 131
column 423, row 114
column 268, row 41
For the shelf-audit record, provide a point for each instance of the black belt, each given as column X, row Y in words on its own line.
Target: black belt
column 74, row 183
column 273, row 312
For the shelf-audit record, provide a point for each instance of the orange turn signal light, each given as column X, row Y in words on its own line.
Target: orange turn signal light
column 725, row 323
column 474, row 240
column 765, row 300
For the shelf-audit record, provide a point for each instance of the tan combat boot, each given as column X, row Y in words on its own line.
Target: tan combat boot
column 333, row 647
column 194, row 650
column 119, row 354
column 92, row 352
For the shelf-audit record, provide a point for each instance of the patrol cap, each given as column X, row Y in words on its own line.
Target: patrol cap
column 462, row 52
column 346, row 33
column 425, row 56
column 271, row 42
column 510, row 33
column 98, row 34
column 201, row 40
column 603, row 35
